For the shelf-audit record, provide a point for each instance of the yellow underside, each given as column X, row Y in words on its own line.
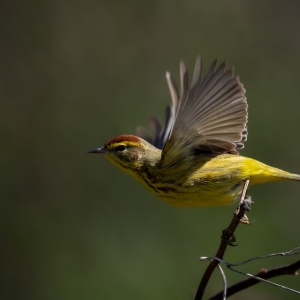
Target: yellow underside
column 211, row 181
column 221, row 180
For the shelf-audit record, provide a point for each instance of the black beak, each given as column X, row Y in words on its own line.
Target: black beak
column 97, row 150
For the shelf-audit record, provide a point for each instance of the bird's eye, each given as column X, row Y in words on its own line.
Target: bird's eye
column 120, row 148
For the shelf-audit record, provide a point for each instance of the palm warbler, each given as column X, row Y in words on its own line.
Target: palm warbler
column 193, row 160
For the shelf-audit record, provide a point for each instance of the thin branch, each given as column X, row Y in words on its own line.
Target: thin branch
column 224, row 293
column 291, row 252
column 226, row 239
column 263, row 275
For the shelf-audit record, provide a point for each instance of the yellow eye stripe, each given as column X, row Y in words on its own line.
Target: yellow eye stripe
column 126, row 144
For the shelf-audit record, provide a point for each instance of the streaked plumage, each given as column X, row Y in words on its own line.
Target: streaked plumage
column 193, row 160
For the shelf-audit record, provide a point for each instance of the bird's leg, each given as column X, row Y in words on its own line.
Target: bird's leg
column 245, row 203
column 239, row 217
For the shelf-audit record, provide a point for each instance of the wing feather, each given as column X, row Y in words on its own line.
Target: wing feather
column 160, row 134
column 210, row 116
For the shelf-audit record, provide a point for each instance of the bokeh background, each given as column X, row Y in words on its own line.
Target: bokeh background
column 75, row 74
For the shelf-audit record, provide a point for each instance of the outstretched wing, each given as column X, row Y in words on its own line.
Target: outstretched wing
column 209, row 117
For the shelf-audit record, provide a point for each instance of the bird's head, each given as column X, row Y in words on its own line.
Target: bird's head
column 130, row 153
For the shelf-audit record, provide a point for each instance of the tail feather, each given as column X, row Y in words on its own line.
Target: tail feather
column 260, row 173
column 290, row 176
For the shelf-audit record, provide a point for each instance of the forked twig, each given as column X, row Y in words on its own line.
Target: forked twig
column 262, row 276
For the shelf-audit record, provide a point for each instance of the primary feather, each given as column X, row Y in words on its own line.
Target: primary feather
column 210, row 116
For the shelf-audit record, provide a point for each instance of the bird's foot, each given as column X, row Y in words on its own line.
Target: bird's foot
column 246, row 204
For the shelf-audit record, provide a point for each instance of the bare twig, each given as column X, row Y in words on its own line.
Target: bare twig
column 226, row 239
column 224, row 282
column 291, row 252
column 263, row 275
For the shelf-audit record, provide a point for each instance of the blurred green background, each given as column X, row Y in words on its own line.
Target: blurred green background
column 75, row 74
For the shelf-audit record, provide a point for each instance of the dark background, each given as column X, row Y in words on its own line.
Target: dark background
column 75, row 74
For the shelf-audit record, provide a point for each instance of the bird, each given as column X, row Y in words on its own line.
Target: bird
column 193, row 160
